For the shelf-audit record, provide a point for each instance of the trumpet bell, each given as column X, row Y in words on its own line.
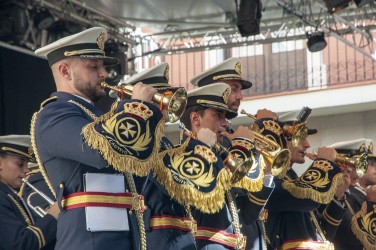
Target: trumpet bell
column 240, row 170
column 173, row 102
column 279, row 161
column 360, row 163
column 176, row 105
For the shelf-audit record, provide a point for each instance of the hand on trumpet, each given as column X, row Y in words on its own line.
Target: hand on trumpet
column 143, row 92
column 371, row 193
column 341, row 189
column 204, row 135
column 207, row 136
column 323, row 153
column 266, row 113
column 54, row 210
column 261, row 114
column 241, row 131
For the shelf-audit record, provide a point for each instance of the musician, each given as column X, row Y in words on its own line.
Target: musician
column 84, row 167
column 229, row 72
column 293, row 221
column 363, row 222
column 19, row 229
column 347, row 237
column 207, row 108
column 35, row 178
column 168, row 225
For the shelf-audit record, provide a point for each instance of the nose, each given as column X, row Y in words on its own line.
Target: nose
column 25, row 168
column 239, row 95
column 103, row 72
column 306, row 143
column 224, row 123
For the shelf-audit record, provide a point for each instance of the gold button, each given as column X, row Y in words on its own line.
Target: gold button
column 61, row 185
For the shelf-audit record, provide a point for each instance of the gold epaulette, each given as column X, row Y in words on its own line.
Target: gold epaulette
column 129, row 139
column 191, row 177
column 318, row 183
column 363, row 225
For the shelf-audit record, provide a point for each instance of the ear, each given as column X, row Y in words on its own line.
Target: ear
column 65, row 71
column 195, row 119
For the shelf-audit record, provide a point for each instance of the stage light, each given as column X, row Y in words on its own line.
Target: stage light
column 43, row 19
column 336, row 5
column 249, row 15
column 362, row 3
column 316, row 41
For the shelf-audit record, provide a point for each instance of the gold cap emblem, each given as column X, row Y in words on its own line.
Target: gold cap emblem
column 226, row 93
column 30, row 150
column 370, row 148
column 101, row 39
column 238, row 68
column 167, row 73
column 362, row 148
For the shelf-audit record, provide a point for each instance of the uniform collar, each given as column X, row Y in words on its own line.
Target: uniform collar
column 85, row 99
column 63, row 96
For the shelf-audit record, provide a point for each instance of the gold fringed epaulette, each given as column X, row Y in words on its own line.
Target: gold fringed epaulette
column 318, row 183
column 129, row 138
column 363, row 225
column 193, row 176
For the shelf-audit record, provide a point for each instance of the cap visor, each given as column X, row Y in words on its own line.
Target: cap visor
column 312, row 131
column 246, row 84
column 229, row 113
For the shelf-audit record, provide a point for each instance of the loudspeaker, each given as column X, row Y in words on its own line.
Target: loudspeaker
column 249, row 15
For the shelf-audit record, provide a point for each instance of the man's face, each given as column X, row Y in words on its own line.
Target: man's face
column 214, row 120
column 370, row 174
column 236, row 94
column 298, row 153
column 87, row 76
column 12, row 169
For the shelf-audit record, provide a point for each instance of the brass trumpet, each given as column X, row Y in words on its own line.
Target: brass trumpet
column 278, row 158
column 297, row 132
column 173, row 102
column 238, row 169
column 38, row 210
column 360, row 163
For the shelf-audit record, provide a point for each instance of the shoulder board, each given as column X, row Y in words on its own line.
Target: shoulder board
column 47, row 101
